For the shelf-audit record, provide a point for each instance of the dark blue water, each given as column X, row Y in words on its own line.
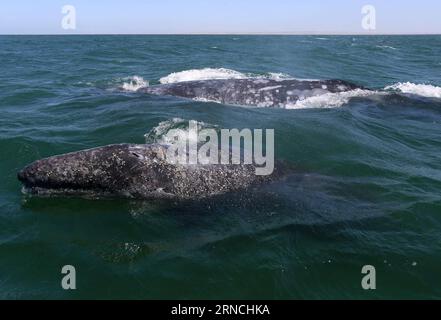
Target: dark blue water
column 367, row 188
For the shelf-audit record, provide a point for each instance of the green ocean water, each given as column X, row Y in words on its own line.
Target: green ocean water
column 366, row 191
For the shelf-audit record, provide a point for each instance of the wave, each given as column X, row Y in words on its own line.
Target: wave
column 157, row 134
column 134, row 83
column 180, row 126
column 424, row 90
column 331, row 100
column 217, row 73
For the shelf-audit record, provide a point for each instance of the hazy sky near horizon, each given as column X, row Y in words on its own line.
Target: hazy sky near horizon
column 215, row 16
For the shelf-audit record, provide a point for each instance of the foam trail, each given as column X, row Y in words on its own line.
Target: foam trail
column 424, row 90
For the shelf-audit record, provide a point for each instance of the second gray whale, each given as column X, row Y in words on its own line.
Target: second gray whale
column 135, row 171
column 251, row 92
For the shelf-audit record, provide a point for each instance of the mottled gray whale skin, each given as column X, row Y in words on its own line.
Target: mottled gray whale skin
column 255, row 92
column 133, row 171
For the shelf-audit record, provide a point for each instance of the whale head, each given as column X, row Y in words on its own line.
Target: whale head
column 116, row 170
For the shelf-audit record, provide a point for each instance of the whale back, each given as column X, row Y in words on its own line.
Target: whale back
column 256, row 92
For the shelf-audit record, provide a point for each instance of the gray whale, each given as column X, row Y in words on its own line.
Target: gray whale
column 255, row 92
column 133, row 171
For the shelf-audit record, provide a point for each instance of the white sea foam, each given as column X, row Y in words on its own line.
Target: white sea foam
column 202, row 74
column 134, row 83
column 424, row 90
column 201, row 99
column 330, row 100
column 158, row 133
column 279, row 76
column 218, row 73
column 180, row 126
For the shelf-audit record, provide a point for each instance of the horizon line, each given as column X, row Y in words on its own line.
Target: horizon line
column 224, row 34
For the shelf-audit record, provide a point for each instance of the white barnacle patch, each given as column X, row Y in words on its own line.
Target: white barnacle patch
column 265, row 104
column 316, row 92
column 261, row 81
column 270, row 88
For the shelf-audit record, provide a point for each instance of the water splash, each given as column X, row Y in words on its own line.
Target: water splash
column 424, row 90
column 134, row 83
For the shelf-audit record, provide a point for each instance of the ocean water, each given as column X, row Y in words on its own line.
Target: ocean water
column 366, row 190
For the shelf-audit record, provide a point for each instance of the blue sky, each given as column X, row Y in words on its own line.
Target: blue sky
column 216, row 16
